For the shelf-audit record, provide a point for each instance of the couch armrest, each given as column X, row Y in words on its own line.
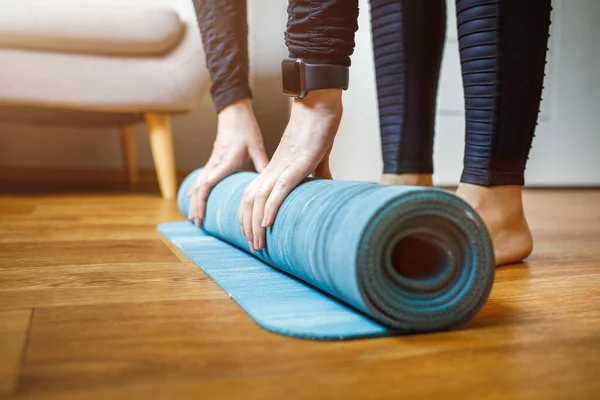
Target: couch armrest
column 92, row 28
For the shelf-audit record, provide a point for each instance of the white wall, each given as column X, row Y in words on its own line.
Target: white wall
column 564, row 151
column 567, row 143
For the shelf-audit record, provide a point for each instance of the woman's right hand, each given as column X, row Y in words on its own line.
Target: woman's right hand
column 303, row 150
column 238, row 139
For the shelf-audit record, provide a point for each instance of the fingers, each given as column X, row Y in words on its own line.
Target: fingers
column 206, row 181
column 245, row 213
column 192, row 210
column 193, row 193
column 251, row 209
column 263, row 197
column 322, row 171
column 258, row 232
column 247, row 222
column 261, row 193
column 284, row 184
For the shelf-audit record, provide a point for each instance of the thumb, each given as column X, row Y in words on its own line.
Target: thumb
column 322, row 170
column 258, row 156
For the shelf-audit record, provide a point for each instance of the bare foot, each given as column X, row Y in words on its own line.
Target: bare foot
column 501, row 208
column 407, row 179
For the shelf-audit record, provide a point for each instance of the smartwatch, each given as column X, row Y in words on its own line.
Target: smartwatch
column 299, row 77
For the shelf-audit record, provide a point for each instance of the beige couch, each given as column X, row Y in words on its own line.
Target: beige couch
column 103, row 63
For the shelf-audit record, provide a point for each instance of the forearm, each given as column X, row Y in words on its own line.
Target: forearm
column 224, row 28
column 322, row 32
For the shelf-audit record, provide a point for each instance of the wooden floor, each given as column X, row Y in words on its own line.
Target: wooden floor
column 94, row 305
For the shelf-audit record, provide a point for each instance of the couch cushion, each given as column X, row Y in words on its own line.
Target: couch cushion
column 90, row 27
column 55, row 117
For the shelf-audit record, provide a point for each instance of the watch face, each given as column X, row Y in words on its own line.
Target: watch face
column 290, row 71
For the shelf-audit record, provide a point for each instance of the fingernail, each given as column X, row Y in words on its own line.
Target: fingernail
column 265, row 221
column 256, row 243
column 251, row 246
column 262, row 242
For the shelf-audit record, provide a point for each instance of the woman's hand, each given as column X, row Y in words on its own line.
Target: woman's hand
column 303, row 150
column 238, row 139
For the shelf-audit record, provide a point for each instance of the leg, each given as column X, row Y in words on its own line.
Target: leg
column 503, row 51
column 161, row 143
column 128, row 148
column 408, row 41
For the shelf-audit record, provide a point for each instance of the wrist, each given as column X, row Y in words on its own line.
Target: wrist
column 323, row 100
column 237, row 122
column 237, row 108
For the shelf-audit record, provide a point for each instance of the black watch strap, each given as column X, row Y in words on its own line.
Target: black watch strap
column 325, row 76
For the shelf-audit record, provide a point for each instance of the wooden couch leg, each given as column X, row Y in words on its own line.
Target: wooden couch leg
column 161, row 143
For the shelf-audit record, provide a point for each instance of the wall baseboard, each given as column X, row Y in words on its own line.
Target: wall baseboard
column 57, row 180
column 29, row 180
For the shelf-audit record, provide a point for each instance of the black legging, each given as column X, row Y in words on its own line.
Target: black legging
column 502, row 49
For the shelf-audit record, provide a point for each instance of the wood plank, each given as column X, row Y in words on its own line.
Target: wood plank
column 65, row 231
column 77, row 218
column 117, row 282
column 42, row 254
column 513, row 375
column 14, row 326
column 97, row 348
column 447, row 376
column 16, row 209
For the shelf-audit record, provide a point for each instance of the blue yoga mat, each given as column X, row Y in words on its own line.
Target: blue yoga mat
column 345, row 260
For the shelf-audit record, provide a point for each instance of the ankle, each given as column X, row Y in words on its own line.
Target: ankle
column 501, row 208
column 498, row 205
column 407, row 179
column 502, row 197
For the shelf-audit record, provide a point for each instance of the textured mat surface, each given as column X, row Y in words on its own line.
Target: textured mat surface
column 346, row 260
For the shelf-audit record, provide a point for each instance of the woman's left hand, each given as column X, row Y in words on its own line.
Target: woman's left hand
column 303, row 150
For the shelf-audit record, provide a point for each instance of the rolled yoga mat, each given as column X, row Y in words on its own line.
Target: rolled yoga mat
column 345, row 260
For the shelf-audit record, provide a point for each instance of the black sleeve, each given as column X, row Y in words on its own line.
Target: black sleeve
column 224, row 28
column 322, row 32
